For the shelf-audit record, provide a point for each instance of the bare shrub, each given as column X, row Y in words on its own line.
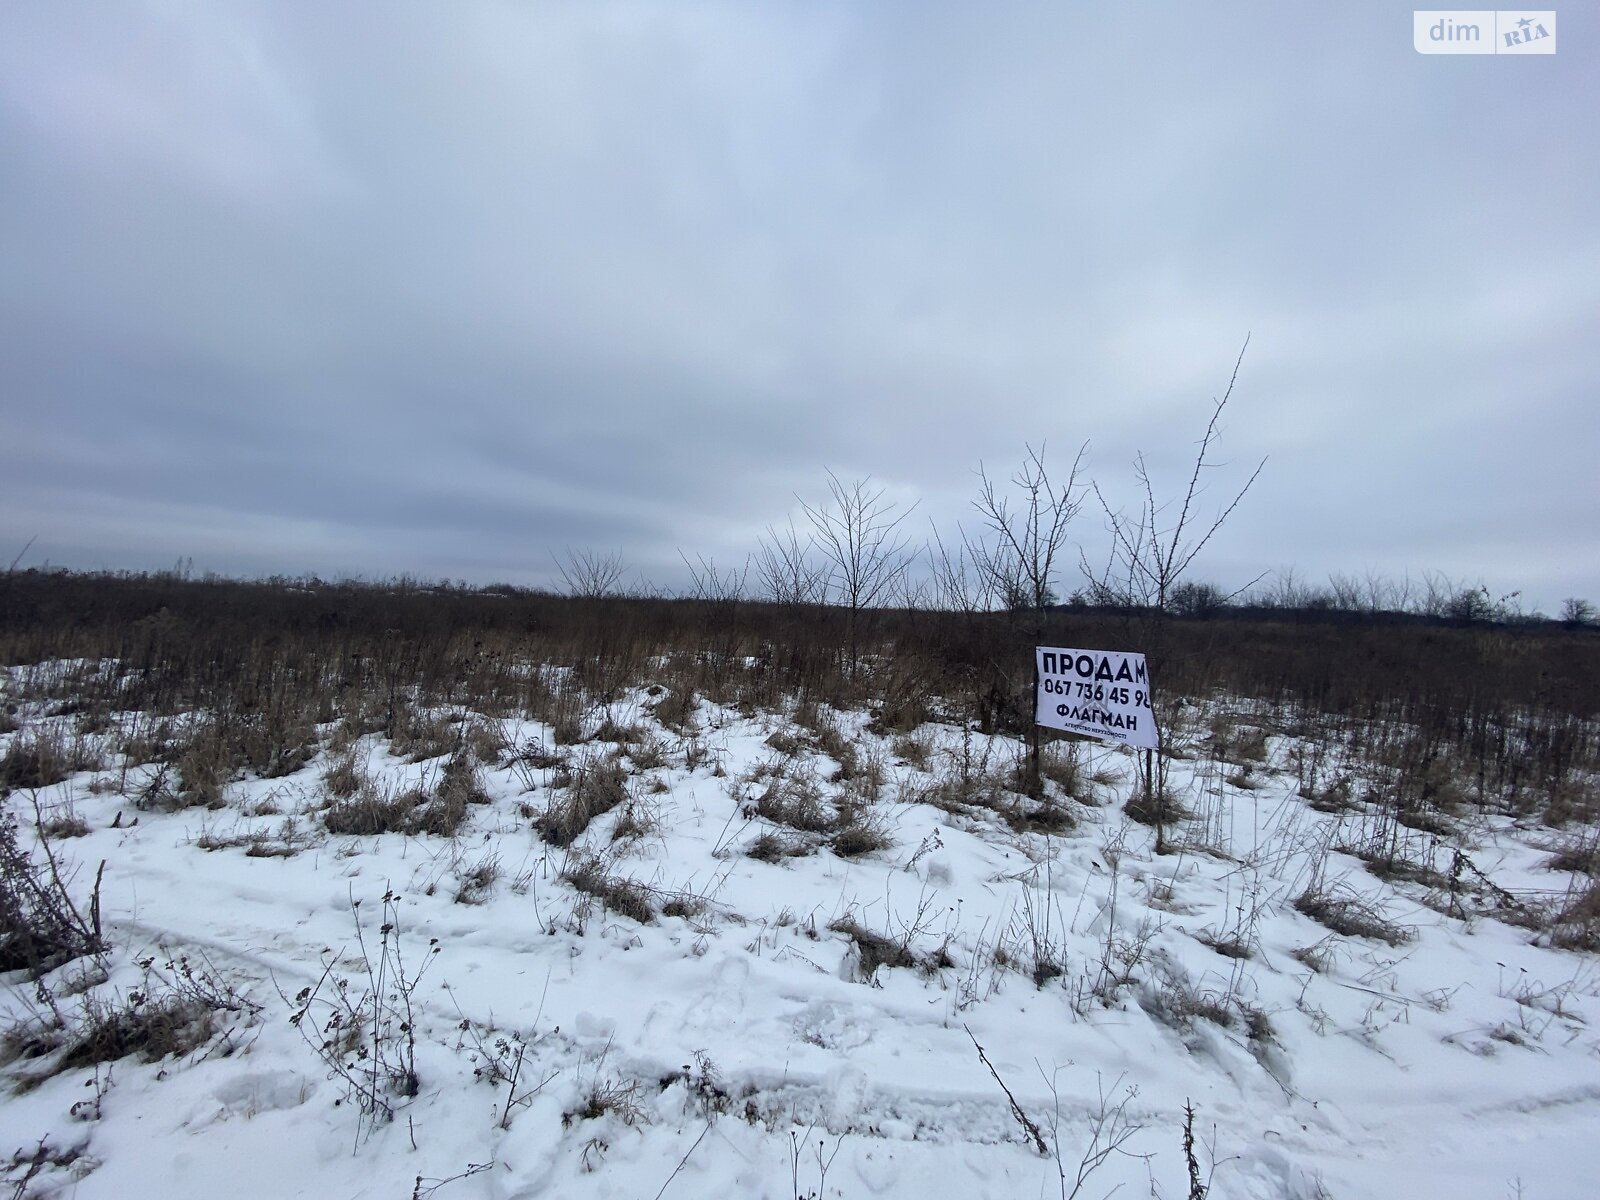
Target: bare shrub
column 172, row 1012
column 591, row 574
column 40, row 925
column 364, row 1028
column 857, row 533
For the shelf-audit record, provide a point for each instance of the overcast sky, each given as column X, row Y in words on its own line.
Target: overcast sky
column 443, row 289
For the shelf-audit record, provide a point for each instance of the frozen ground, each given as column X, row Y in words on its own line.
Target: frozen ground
column 753, row 1035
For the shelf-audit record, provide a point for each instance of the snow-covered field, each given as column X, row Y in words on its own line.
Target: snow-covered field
column 806, row 1024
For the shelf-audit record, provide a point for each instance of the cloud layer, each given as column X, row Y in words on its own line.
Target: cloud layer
column 442, row 290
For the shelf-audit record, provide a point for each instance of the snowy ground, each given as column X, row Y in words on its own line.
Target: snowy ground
column 738, row 1044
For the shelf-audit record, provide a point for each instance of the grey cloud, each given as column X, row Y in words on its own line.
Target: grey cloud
column 436, row 290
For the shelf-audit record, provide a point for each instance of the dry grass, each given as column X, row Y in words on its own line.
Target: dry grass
column 591, row 787
column 213, row 681
column 770, row 847
column 625, row 897
column 440, row 810
column 861, row 834
column 1577, row 923
column 1060, row 765
column 915, row 750
column 1344, row 912
column 875, row 949
column 152, row 1028
column 475, row 883
column 345, row 777
column 797, row 801
column 1151, row 811
column 676, row 710
column 372, row 811
column 40, row 758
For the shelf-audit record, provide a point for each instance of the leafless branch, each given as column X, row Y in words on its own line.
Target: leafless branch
column 589, row 574
column 1029, row 532
column 785, row 570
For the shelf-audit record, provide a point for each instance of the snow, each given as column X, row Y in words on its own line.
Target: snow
column 744, row 1047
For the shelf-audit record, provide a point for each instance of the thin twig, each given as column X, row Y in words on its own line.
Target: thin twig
column 683, row 1160
column 1023, row 1118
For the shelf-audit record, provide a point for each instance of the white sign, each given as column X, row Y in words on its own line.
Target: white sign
column 1102, row 694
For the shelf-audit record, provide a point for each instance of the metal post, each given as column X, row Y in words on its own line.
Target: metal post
column 1038, row 785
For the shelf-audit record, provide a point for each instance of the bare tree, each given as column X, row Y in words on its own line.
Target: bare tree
column 857, row 533
column 1437, row 590
column 1028, row 531
column 956, row 584
column 1153, row 547
column 708, row 582
column 588, row 574
column 786, row 569
column 1346, row 591
column 1026, row 535
column 911, row 592
column 1150, row 552
column 1577, row 611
